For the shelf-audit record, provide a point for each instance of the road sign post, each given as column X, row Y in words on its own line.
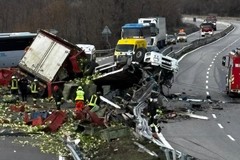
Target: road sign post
column 105, row 33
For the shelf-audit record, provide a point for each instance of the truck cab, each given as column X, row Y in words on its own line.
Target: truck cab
column 158, row 30
column 206, row 29
column 212, row 19
column 133, row 47
column 232, row 63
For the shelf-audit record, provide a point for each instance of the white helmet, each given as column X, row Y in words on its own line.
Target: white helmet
column 79, row 88
column 35, row 80
column 13, row 77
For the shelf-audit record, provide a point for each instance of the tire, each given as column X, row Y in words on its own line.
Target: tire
column 139, row 54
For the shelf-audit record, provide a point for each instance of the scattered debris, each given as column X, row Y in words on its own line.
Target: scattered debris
column 152, row 153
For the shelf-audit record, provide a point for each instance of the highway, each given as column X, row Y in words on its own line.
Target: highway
column 11, row 151
column 201, row 74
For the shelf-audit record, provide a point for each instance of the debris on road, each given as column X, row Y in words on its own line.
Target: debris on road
column 126, row 88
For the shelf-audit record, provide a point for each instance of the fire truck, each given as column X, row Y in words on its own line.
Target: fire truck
column 232, row 62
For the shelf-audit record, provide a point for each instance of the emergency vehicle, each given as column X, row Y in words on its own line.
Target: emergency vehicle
column 232, row 62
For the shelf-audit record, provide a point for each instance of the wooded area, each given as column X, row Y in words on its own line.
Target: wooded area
column 204, row 7
column 82, row 21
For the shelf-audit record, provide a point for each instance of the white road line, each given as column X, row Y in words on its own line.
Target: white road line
column 208, row 69
column 207, row 77
column 220, row 125
column 229, row 136
column 210, row 65
column 206, row 87
column 207, row 72
column 207, row 93
column 210, row 44
column 214, row 116
column 214, row 59
column 212, row 62
column 206, row 81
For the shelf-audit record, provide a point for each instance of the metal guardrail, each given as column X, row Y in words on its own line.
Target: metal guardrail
column 200, row 42
column 170, row 153
column 73, row 148
column 106, row 52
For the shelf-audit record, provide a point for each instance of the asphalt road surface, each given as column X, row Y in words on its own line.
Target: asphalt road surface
column 201, row 74
column 13, row 151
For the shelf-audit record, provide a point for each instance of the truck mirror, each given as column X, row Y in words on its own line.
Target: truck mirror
column 224, row 60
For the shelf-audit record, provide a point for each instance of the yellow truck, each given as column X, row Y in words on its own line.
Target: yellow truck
column 135, row 47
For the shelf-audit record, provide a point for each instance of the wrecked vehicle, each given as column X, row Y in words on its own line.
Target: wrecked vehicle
column 125, row 72
column 53, row 60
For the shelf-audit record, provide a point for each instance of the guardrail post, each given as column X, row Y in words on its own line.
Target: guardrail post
column 167, row 154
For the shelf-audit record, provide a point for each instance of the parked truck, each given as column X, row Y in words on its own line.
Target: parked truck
column 152, row 29
column 232, row 62
column 212, row 19
column 53, row 60
column 157, row 28
column 137, row 30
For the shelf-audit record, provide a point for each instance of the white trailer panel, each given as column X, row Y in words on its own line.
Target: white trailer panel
column 44, row 57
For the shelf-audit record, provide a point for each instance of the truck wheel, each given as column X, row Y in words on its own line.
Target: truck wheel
column 139, row 54
column 89, row 68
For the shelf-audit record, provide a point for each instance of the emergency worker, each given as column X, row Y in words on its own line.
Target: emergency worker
column 34, row 90
column 23, row 87
column 58, row 96
column 14, row 85
column 80, row 99
column 154, row 113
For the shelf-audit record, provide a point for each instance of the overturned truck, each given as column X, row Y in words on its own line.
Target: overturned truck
column 125, row 72
column 53, row 60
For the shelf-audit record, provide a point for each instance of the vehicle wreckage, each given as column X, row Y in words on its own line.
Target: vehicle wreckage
column 129, row 84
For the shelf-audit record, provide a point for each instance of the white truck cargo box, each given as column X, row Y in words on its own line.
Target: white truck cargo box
column 44, row 57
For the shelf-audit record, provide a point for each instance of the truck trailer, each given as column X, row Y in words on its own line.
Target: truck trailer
column 158, row 30
column 53, row 60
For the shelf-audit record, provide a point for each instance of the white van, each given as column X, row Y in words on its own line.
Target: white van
column 89, row 49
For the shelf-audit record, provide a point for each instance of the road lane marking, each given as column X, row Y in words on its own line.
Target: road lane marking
column 220, row 126
column 207, row 93
column 207, row 72
column 229, row 136
column 214, row 116
column 206, row 81
column 206, row 87
column 210, row 44
column 207, row 77
column 210, row 65
column 208, row 69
